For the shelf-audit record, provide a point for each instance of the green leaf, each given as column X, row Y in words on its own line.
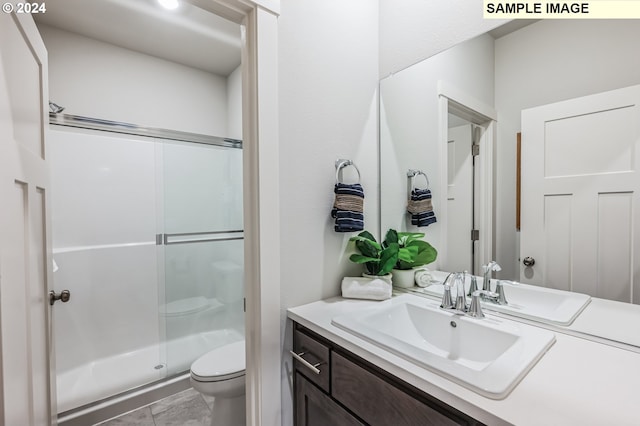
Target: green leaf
column 388, row 259
column 419, row 244
column 369, row 248
column 405, row 238
column 426, row 256
column 367, row 235
column 366, row 245
column 407, row 254
column 358, row 258
column 390, row 238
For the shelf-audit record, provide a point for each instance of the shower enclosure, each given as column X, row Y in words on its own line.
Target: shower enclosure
column 147, row 236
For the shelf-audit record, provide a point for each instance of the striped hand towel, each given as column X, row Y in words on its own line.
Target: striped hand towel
column 348, row 207
column 421, row 208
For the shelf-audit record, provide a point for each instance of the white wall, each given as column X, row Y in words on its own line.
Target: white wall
column 412, row 30
column 234, row 104
column 409, row 128
column 100, row 80
column 546, row 62
column 328, row 61
column 328, row 110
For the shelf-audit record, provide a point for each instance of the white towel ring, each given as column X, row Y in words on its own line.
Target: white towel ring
column 411, row 174
column 341, row 163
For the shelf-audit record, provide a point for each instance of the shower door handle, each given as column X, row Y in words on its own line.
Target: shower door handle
column 63, row 296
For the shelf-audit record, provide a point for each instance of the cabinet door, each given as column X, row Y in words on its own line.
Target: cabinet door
column 380, row 403
column 315, row 408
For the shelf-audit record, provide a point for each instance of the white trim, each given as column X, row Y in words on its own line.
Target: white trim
column 443, row 136
column 486, row 244
column 476, row 112
column 237, row 10
column 272, row 6
column 261, row 201
column 459, row 96
column 262, row 218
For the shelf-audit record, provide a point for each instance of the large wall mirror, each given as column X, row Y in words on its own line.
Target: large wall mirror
column 570, row 90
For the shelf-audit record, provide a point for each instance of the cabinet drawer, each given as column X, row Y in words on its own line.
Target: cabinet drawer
column 378, row 402
column 316, row 355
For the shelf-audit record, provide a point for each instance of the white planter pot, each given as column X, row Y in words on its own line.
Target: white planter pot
column 404, row 278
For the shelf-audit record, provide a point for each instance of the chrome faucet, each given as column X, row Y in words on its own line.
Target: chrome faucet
column 460, row 307
column 447, row 302
column 498, row 297
column 461, row 301
column 488, row 269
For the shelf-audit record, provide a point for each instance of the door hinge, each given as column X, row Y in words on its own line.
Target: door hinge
column 475, row 234
column 475, row 150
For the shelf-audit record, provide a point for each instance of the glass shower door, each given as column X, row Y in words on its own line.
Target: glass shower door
column 202, row 300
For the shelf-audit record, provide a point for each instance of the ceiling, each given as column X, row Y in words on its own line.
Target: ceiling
column 188, row 35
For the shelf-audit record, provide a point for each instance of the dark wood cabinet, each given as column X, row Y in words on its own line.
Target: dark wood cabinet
column 335, row 387
column 316, row 408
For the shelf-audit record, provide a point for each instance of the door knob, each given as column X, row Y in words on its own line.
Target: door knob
column 63, row 296
column 529, row 261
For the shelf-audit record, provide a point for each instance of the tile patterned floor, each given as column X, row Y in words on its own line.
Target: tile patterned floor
column 188, row 408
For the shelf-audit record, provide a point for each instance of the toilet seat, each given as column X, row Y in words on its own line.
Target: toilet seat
column 223, row 363
column 187, row 306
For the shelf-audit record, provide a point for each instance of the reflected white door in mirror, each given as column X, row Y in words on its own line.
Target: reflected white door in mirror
column 580, row 188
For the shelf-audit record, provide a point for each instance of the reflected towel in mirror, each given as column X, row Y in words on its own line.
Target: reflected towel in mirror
column 421, row 208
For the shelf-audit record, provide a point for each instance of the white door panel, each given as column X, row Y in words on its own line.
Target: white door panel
column 26, row 396
column 580, row 189
column 459, row 199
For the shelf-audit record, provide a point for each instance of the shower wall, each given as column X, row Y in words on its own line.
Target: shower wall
column 97, row 79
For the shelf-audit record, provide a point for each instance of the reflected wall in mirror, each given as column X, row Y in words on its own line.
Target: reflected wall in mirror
column 415, row 106
column 542, row 63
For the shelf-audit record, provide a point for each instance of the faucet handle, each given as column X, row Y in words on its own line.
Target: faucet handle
column 446, row 303
column 502, row 299
column 474, row 285
column 475, row 310
column 491, row 266
column 461, row 301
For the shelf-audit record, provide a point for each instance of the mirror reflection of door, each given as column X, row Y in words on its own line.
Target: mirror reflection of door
column 459, row 195
column 463, row 189
column 580, row 189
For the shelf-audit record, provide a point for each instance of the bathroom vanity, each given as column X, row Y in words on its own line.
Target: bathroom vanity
column 576, row 381
column 348, row 388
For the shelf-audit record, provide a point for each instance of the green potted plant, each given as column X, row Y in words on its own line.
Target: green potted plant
column 413, row 252
column 378, row 258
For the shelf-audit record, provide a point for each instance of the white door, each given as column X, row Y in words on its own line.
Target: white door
column 459, row 199
column 580, row 195
column 27, row 391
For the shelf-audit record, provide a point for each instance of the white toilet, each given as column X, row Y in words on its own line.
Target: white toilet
column 221, row 373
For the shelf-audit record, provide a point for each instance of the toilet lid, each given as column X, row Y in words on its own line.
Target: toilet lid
column 190, row 305
column 223, row 363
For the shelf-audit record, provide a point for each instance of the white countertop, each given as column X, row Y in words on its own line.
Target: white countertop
column 610, row 320
column 577, row 382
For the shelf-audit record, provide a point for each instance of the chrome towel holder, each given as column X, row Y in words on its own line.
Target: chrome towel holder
column 341, row 163
column 411, row 175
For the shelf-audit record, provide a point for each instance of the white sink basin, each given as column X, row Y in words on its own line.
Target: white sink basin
column 526, row 301
column 489, row 355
